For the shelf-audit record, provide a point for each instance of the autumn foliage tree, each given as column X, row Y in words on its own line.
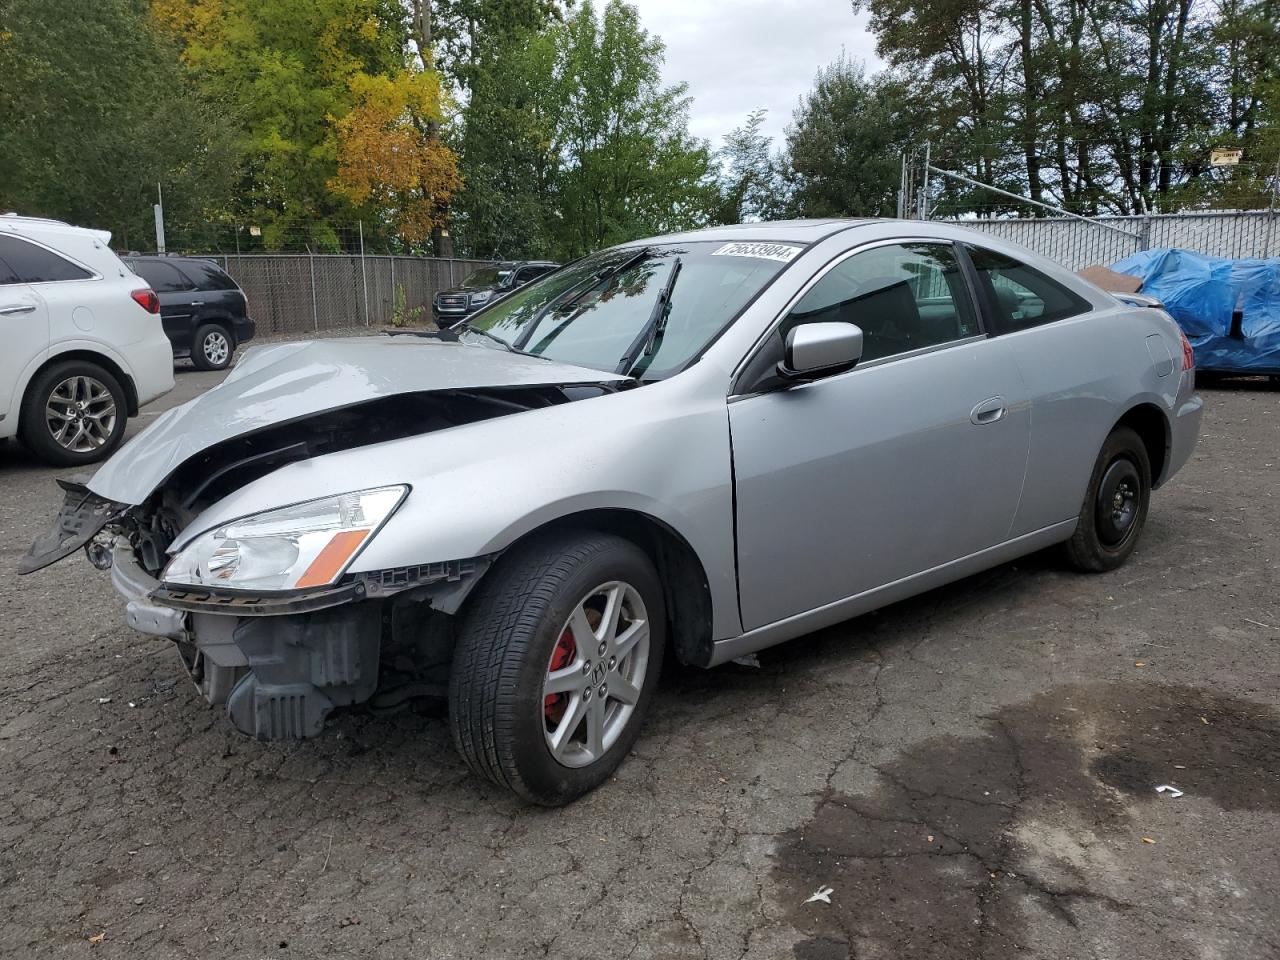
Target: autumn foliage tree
column 387, row 157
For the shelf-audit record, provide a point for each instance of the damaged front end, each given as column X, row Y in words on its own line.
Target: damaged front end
column 262, row 609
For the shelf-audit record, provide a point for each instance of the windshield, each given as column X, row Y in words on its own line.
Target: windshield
column 649, row 310
column 484, row 278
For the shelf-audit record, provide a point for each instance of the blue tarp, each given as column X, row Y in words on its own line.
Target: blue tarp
column 1204, row 293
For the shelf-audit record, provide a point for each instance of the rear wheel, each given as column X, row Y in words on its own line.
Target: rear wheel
column 73, row 413
column 557, row 659
column 211, row 348
column 1115, row 506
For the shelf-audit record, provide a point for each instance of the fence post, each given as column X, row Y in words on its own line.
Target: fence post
column 315, row 312
column 451, row 271
column 393, row 289
column 364, row 276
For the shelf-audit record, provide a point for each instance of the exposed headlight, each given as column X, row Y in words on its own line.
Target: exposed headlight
column 306, row 545
column 484, row 296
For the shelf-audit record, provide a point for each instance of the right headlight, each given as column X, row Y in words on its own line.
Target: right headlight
column 304, row 545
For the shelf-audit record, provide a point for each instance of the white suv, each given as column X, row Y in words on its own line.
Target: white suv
column 81, row 343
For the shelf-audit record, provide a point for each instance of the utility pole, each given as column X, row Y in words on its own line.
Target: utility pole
column 158, row 208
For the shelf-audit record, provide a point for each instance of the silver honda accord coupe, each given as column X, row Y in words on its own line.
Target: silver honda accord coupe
column 698, row 445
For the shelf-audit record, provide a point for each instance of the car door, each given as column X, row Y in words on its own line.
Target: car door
column 24, row 327
column 910, row 460
column 1067, row 355
column 178, row 298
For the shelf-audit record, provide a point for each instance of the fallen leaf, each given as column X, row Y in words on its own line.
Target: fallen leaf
column 1147, row 840
column 823, row 894
column 1139, row 663
column 98, row 937
column 1204, row 720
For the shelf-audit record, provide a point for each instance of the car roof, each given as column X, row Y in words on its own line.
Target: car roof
column 515, row 264
column 166, row 258
column 40, row 227
column 789, row 231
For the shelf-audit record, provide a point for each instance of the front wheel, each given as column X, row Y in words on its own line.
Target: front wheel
column 557, row 659
column 1115, row 506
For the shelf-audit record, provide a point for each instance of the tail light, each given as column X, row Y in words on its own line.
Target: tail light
column 146, row 298
column 1188, row 355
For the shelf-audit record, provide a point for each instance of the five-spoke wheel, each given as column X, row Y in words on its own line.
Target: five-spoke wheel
column 558, row 654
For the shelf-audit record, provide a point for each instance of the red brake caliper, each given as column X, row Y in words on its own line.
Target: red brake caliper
column 553, row 704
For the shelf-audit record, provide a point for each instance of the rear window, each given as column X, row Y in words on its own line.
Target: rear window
column 163, row 277
column 27, row 263
column 1021, row 296
column 207, row 275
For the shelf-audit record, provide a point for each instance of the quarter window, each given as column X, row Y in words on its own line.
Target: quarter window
column 163, row 277
column 1022, row 297
column 208, row 275
column 32, row 264
column 904, row 296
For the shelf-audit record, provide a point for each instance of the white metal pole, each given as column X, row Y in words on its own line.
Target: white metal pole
column 159, row 212
column 364, row 276
column 1047, row 206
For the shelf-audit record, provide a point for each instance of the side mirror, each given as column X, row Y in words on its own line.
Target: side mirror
column 818, row 349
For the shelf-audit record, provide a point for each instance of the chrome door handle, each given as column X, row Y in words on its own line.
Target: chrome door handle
column 14, row 309
column 197, row 303
column 989, row 411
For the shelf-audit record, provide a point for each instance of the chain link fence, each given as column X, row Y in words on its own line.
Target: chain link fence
column 299, row 294
column 1079, row 243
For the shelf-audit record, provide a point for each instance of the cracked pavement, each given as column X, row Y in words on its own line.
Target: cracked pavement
column 972, row 771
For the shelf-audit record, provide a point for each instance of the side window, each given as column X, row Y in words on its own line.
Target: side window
column 33, row 264
column 163, row 277
column 207, row 275
column 1021, row 296
column 904, row 297
column 7, row 274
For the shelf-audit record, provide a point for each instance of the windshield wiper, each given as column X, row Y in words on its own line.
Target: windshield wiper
column 576, row 293
column 647, row 341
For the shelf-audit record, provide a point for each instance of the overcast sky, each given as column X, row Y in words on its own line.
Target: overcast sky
column 737, row 55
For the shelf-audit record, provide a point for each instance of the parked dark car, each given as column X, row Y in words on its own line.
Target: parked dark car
column 483, row 287
column 205, row 313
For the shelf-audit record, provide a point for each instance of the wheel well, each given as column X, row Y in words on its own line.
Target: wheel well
column 1152, row 427
column 224, row 322
column 684, row 580
column 88, row 356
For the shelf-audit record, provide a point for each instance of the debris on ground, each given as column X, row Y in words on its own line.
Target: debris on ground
column 1147, row 840
column 1173, row 791
column 750, row 660
column 823, row 894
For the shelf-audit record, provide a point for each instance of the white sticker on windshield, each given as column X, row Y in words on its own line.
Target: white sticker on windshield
column 782, row 252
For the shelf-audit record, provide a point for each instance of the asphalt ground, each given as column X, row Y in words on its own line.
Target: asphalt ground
column 971, row 773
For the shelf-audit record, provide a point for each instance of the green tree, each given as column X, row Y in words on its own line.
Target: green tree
column 628, row 166
column 845, row 144
column 751, row 185
column 94, row 113
column 290, row 72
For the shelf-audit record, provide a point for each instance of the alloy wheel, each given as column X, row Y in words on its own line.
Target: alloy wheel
column 595, row 674
column 81, row 414
column 216, row 348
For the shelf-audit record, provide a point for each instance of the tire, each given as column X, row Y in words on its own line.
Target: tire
column 1115, row 506
column 212, row 347
column 517, row 630
column 95, row 408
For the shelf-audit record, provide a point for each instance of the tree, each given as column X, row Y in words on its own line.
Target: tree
column 387, row 160
column 627, row 164
column 751, row 187
column 845, row 144
column 292, row 72
column 94, row 113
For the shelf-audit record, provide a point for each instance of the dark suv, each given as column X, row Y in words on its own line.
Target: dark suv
column 483, row 287
column 205, row 313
